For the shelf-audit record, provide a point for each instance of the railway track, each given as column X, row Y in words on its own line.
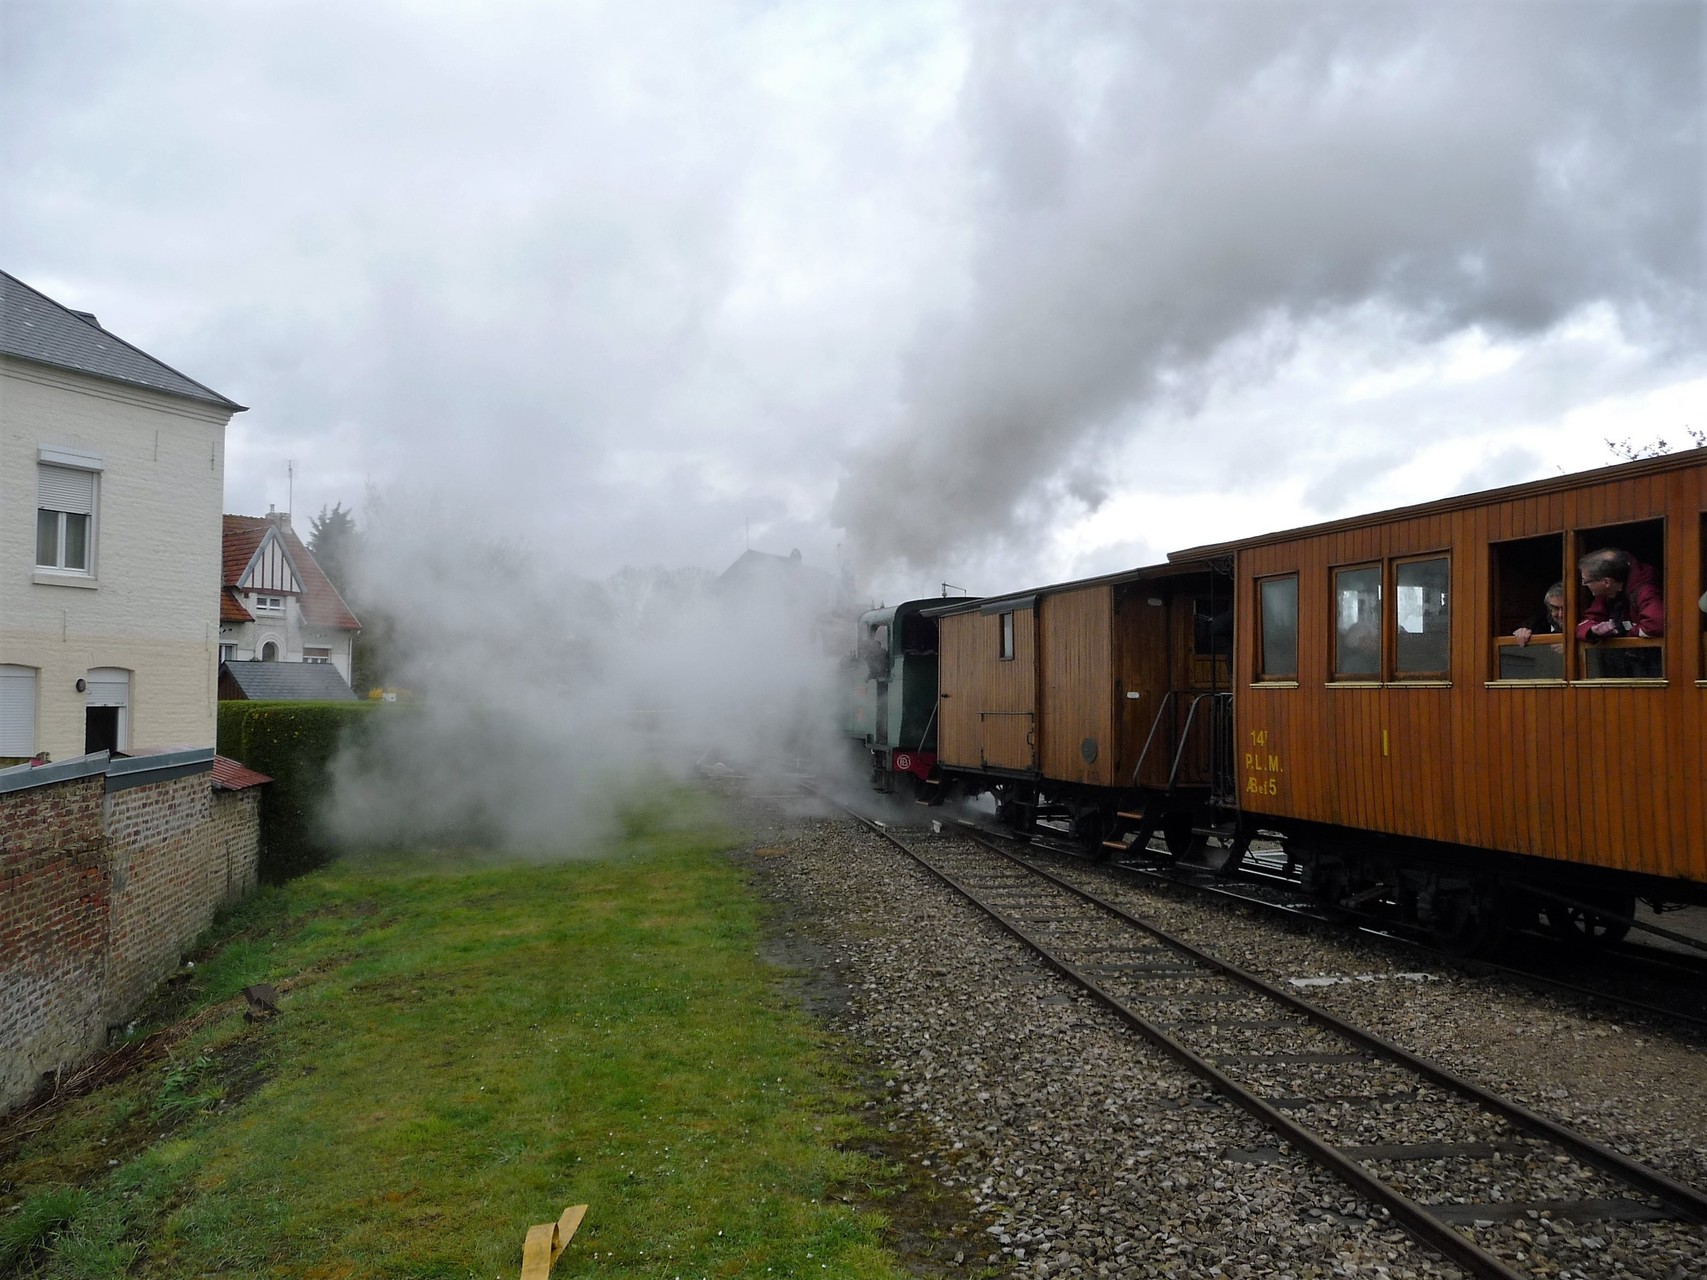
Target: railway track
column 1462, row 1170
column 1633, row 979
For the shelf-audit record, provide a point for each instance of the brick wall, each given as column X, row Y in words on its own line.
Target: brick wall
column 163, row 893
column 234, row 842
column 103, row 883
column 54, row 906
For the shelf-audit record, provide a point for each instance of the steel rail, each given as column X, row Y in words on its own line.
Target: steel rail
column 1375, row 927
column 1427, row 1229
column 1683, row 1199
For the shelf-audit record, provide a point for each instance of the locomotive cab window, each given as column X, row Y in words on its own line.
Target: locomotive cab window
column 1277, row 656
column 1007, row 641
column 1357, row 623
column 1620, row 601
column 875, row 651
column 1532, row 608
column 1422, row 617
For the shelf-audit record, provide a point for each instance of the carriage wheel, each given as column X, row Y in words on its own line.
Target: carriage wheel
column 1580, row 928
column 1468, row 922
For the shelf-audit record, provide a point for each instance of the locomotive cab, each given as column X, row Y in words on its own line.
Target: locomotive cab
column 892, row 706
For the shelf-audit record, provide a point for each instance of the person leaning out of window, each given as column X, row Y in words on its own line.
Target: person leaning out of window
column 1627, row 599
column 1550, row 621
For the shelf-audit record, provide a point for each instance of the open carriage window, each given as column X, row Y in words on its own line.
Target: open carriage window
column 1532, row 608
column 1357, row 623
column 1422, row 608
column 1701, row 608
column 1620, row 601
column 1278, row 644
column 1007, row 641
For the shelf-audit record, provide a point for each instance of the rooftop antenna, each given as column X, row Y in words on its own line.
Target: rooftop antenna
column 290, row 486
column 949, row 586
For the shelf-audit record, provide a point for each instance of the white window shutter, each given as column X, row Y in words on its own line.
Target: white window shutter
column 63, row 489
column 17, row 711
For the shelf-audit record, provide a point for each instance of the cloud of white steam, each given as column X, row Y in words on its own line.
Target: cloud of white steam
column 538, row 705
column 1156, row 183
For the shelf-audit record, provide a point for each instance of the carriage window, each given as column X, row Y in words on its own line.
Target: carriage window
column 1621, row 606
column 1357, row 622
column 1532, row 608
column 1422, row 615
column 1007, row 653
column 1279, row 642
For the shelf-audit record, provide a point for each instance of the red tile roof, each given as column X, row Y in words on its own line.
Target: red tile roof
column 322, row 606
column 231, row 607
column 228, row 775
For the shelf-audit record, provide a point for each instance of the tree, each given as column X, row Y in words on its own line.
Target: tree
column 335, row 542
column 1627, row 450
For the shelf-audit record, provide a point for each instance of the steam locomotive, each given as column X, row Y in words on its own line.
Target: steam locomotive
column 1352, row 694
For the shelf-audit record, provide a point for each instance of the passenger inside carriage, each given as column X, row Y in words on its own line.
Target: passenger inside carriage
column 1627, row 597
column 1551, row 619
column 1627, row 605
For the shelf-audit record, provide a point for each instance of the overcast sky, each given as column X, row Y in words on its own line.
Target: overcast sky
column 988, row 293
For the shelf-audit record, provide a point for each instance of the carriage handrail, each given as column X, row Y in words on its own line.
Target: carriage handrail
column 1155, row 724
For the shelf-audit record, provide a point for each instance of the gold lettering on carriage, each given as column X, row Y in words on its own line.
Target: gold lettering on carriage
column 1261, row 766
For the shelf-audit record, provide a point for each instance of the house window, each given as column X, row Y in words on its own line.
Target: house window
column 1357, row 622
column 228, row 653
column 65, row 518
column 269, row 652
column 269, row 604
column 312, row 654
column 17, row 712
column 1278, row 600
column 1422, row 591
column 1007, row 642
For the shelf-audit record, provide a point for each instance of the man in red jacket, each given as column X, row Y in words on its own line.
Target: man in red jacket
column 1627, row 599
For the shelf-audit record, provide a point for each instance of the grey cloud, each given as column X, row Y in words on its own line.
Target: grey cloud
column 1233, row 167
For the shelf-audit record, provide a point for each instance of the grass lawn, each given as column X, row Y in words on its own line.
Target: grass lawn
column 463, row 1049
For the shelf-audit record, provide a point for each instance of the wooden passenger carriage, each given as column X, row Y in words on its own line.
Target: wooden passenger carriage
column 1379, row 688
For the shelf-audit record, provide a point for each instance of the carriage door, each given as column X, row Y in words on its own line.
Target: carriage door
column 1202, row 669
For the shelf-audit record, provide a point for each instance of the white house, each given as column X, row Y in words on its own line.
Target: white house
column 275, row 603
column 112, row 470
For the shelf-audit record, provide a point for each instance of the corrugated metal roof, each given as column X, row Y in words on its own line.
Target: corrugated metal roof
column 35, row 327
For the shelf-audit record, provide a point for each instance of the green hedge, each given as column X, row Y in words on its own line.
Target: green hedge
column 293, row 743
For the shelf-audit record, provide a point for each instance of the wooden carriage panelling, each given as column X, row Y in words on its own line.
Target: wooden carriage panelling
column 987, row 712
column 1076, row 661
column 1580, row 755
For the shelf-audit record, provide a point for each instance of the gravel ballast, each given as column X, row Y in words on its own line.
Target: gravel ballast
column 1078, row 1150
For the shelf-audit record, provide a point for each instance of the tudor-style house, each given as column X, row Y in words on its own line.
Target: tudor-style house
column 275, row 604
column 112, row 470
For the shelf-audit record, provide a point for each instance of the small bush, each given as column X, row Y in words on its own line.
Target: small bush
column 293, row 743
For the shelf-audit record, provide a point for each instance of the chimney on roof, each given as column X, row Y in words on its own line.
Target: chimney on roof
column 279, row 518
column 87, row 315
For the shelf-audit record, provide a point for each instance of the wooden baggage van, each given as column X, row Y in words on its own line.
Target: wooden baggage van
column 1072, row 701
column 1381, row 688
